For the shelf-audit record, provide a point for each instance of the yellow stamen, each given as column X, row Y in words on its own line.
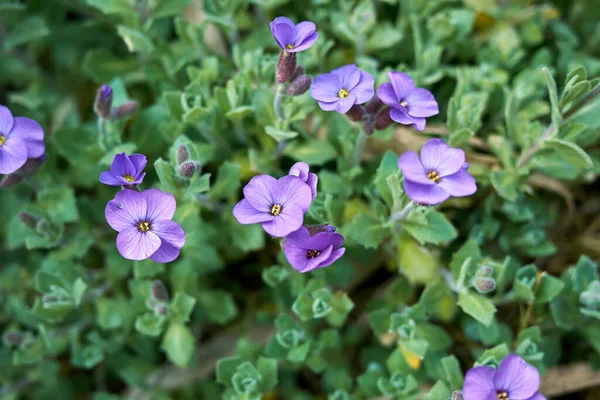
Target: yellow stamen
column 403, row 103
column 502, row 396
column 312, row 254
column 128, row 178
column 144, row 226
column 433, row 176
column 342, row 94
column 290, row 46
column 2, row 140
column 275, row 210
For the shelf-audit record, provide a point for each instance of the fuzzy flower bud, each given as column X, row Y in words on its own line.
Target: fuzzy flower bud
column 28, row 220
column 159, row 291
column 125, row 110
column 286, row 67
column 314, row 229
column 13, row 338
column 484, row 284
column 368, row 128
column 187, row 169
column 182, row 154
column 383, row 119
column 42, row 226
column 483, row 271
column 299, row 71
column 10, row 180
column 456, row 395
column 299, row 85
column 103, row 101
column 374, row 105
column 161, row 309
column 356, row 113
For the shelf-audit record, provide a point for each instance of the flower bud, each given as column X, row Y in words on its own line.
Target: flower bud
column 314, row 229
column 125, row 110
column 484, row 284
column 49, row 298
column 159, row 291
column 383, row 119
column 484, row 271
column 298, row 72
column 10, row 180
column 103, row 101
column 161, row 309
column 187, row 169
column 374, row 105
column 466, row 166
column 13, row 338
column 299, row 85
column 456, row 395
column 368, row 128
column 286, row 67
column 28, row 220
column 356, row 113
column 182, row 154
column 42, row 226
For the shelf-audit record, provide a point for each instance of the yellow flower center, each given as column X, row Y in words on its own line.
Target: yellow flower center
column 502, row 396
column 342, row 94
column 433, row 176
column 312, row 254
column 404, row 103
column 2, row 140
column 144, row 226
column 290, row 46
column 275, row 210
column 128, row 178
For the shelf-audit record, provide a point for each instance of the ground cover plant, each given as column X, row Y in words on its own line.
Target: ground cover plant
column 322, row 199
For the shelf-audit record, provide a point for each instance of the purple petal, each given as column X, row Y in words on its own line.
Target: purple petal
column 300, row 169
column 401, row 116
column 288, row 221
column 348, row 75
column 436, row 155
column 479, row 384
column 138, row 180
column 139, row 162
column 519, row 379
column 6, row 121
column 304, row 30
column 402, row 83
column 13, row 155
column 425, row 194
column 328, row 106
column 246, row 214
column 126, row 210
column 122, row 166
column 108, row 179
column 259, row 192
column 165, row 253
column 344, row 105
column 364, row 90
column 537, row 396
column 386, row 94
column 312, row 181
column 421, row 103
column 283, row 32
column 306, row 43
column 161, row 205
column 459, row 184
column 335, row 255
column 298, row 238
column 290, row 190
column 319, row 261
column 412, row 169
column 323, row 240
column 325, row 88
column 33, row 134
column 170, row 232
column 135, row 245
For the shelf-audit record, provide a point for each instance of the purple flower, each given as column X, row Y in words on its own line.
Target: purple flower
column 342, row 88
column 306, row 253
column 143, row 220
column 439, row 174
column 103, row 101
column 300, row 169
column 125, row 170
column 410, row 105
column 278, row 204
column 20, row 139
column 514, row 380
column 291, row 37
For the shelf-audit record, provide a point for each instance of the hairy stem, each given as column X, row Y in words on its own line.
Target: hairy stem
column 359, row 148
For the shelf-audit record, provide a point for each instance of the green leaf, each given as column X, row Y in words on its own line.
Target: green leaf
column 25, row 31
column 79, row 288
column 586, row 271
column 166, row 173
column 313, row 152
column 181, row 307
column 135, row 40
column 226, row 368
column 198, row 185
column 506, row 184
column 417, row 262
column 267, row 368
column 453, row 372
column 109, row 313
column 167, row 8
column 387, row 167
column 436, row 229
column 570, row 151
column 439, row 391
column 178, row 343
column 548, row 288
column 556, row 116
column 479, row 307
column 468, row 250
column 150, row 324
column 59, row 202
column 238, row 113
column 279, row 134
column 227, row 182
column 367, row 230
column 218, row 305
column 196, row 115
column 111, row 6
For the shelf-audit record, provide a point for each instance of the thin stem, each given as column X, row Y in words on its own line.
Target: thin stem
column 402, row 214
column 529, row 311
column 359, row 148
column 101, row 134
column 417, row 40
column 277, row 106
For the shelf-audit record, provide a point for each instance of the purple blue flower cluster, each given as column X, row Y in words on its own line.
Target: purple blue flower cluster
column 279, row 205
column 143, row 219
column 514, row 379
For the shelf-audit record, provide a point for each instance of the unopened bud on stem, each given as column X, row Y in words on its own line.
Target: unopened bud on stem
column 125, row 110
column 383, row 119
column 356, row 113
column 299, row 85
column 182, row 154
column 28, row 220
column 159, row 291
column 286, row 67
column 103, row 101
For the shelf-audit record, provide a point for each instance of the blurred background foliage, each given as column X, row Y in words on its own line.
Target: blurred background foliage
column 403, row 309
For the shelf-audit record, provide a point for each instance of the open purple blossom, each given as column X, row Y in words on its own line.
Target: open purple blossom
column 513, row 380
column 410, row 105
column 278, row 204
column 291, row 37
column 301, row 170
column 125, row 170
column 21, row 138
column 143, row 220
column 306, row 253
column 437, row 175
column 342, row 88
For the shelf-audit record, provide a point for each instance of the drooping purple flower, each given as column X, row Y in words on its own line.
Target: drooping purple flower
column 291, row 37
column 342, row 88
column 437, row 175
column 21, row 138
column 410, row 105
column 301, row 170
column 143, row 220
column 125, row 170
column 306, row 253
column 103, row 101
column 513, row 380
column 278, row 204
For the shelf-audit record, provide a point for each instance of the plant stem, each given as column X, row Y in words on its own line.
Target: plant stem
column 402, row 214
column 359, row 148
column 277, row 102
column 529, row 311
